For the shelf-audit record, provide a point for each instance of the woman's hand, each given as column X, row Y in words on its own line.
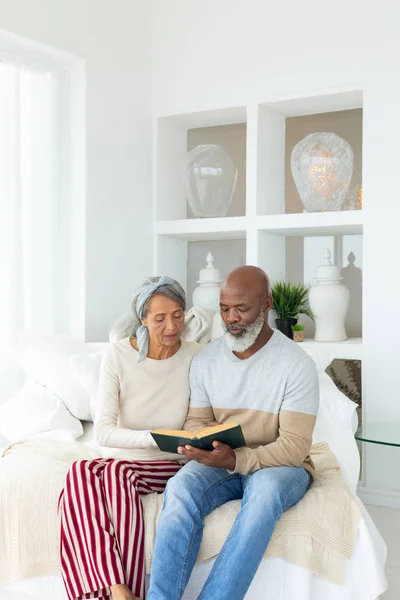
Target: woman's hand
column 213, row 423
column 222, row 456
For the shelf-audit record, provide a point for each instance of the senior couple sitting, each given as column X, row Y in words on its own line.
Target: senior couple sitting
column 152, row 379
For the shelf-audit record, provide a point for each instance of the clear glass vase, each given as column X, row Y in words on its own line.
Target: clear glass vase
column 322, row 166
column 210, row 180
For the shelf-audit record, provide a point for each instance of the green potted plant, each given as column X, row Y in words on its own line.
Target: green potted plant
column 298, row 332
column 289, row 301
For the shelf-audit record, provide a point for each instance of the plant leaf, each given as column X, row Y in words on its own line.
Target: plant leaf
column 290, row 300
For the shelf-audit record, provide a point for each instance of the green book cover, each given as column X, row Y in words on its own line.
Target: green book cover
column 168, row 441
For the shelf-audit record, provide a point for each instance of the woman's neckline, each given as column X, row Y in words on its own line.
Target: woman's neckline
column 156, row 360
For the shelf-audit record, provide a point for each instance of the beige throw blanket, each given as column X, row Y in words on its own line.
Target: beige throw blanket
column 319, row 533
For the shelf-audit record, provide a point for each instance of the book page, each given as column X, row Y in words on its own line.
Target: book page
column 175, row 433
column 214, row 429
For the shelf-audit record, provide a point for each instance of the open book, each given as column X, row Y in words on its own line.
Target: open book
column 168, row 440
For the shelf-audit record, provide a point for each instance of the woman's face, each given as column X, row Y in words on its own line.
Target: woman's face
column 165, row 320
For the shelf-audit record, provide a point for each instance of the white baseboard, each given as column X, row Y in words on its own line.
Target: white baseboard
column 379, row 497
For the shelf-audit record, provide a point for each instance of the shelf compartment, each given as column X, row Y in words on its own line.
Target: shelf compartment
column 295, row 258
column 278, row 125
column 175, row 135
column 182, row 258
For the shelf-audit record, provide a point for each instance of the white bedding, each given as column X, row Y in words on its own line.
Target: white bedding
column 275, row 578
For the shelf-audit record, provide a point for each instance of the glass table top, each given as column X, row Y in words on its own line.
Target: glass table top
column 387, row 434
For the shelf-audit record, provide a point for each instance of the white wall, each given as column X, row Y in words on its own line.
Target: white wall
column 114, row 39
column 233, row 53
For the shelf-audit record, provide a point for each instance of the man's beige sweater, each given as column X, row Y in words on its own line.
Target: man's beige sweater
column 273, row 395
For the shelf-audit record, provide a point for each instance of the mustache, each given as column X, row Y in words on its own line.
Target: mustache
column 235, row 326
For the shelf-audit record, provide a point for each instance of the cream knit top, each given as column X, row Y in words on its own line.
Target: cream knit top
column 136, row 398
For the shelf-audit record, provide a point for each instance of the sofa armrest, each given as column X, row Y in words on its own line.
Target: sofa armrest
column 336, row 424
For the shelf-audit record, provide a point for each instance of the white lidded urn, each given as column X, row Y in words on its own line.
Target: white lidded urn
column 206, row 295
column 329, row 302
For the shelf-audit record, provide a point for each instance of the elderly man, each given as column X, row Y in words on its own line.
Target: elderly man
column 259, row 378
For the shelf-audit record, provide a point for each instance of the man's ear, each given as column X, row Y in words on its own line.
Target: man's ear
column 268, row 303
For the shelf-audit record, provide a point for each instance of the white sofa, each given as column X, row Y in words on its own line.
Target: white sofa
column 277, row 579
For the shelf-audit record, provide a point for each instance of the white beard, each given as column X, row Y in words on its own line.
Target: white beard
column 247, row 339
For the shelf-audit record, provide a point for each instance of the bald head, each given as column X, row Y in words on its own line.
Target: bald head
column 245, row 301
column 248, row 278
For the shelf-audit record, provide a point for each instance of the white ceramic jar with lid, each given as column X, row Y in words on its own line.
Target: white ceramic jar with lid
column 329, row 302
column 206, row 295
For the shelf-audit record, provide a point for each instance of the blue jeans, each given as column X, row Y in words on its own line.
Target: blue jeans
column 195, row 492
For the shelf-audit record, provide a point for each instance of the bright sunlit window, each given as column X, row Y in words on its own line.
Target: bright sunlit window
column 32, row 193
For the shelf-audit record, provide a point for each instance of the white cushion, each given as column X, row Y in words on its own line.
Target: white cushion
column 87, row 369
column 217, row 329
column 321, row 358
column 3, row 442
column 12, row 377
column 335, row 425
column 46, row 360
column 33, row 410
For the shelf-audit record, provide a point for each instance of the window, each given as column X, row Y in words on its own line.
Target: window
column 34, row 211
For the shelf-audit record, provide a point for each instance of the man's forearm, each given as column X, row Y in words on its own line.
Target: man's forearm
column 285, row 452
column 198, row 418
column 290, row 449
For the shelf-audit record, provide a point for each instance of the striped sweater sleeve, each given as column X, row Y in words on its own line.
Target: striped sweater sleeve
column 296, row 419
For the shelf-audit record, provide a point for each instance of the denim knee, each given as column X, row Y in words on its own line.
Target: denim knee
column 180, row 495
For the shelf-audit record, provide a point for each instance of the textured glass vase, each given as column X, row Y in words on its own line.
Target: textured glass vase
column 322, row 166
column 210, row 180
column 353, row 200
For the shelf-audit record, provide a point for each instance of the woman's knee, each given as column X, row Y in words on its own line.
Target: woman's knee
column 79, row 470
column 118, row 470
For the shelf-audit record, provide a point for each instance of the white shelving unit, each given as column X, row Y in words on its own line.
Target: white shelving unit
column 303, row 224
column 233, row 228
column 351, row 349
column 265, row 226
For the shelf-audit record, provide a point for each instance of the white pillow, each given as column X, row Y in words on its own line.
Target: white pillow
column 335, row 425
column 12, row 377
column 87, row 369
column 322, row 358
column 3, row 442
column 217, row 329
column 46, row 360
column 35, row 409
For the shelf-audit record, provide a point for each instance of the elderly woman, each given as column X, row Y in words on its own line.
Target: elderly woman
column 144, row 385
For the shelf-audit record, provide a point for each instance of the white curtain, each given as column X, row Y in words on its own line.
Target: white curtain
column 30, row 223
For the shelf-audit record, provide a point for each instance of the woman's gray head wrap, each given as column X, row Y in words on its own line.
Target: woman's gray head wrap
column 132, row 326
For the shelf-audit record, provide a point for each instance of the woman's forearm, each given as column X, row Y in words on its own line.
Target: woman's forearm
column 110, row 435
